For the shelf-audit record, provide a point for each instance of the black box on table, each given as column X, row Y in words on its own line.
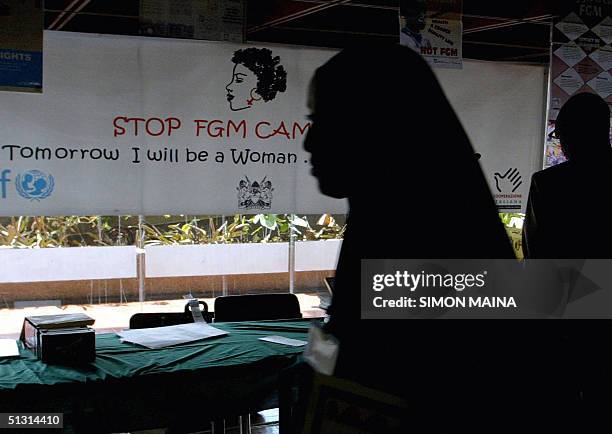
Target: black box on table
column 62, row 339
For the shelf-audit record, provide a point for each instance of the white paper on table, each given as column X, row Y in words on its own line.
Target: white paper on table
column 284, row 341
column 8, row 348
column 160, row 337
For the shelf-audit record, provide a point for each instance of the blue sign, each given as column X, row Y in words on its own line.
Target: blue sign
column 21, row 69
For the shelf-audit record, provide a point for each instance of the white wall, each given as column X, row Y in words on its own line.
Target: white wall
column 91, row 263
column 72, row 263
column 227, row 259
column 317, row 255
column 216, row 259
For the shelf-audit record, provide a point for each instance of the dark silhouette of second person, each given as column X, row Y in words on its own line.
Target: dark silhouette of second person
column 568, row 218
column 567, row 212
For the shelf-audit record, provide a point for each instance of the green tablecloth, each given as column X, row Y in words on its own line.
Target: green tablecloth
column 237, row 370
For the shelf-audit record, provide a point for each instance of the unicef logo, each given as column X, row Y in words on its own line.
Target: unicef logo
column 34, row 185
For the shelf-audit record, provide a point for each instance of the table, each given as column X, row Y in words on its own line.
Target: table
column 129, row 387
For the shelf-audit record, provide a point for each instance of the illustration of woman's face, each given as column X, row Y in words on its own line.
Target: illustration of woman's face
column 242, row 90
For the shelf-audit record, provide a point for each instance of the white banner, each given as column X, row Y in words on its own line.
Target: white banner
column 114, row 106
column 131, row 125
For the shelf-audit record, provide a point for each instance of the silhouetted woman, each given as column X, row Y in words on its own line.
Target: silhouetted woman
column 385, row 137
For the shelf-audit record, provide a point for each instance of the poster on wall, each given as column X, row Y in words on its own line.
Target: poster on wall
column 21, row 44
column 213, row 20
column 434, row 29
column 581, row 61
column 161, row 126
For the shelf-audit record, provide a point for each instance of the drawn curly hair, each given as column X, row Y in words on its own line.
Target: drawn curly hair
column 271, row 77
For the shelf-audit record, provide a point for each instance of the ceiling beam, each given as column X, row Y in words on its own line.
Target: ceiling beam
column 340, row 32
column 396, row 8
column 356, row 4
column 542, row 19
column 62, row 14
column 502, row 22
column 303, row 10
column 396, row 36
column 97, row 14
column 504, row 45
column 73, row 14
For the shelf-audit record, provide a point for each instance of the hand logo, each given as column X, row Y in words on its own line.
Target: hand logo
column 509, row 181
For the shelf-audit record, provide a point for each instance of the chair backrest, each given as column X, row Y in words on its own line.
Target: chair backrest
column 256, row 307
column 163, row 319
